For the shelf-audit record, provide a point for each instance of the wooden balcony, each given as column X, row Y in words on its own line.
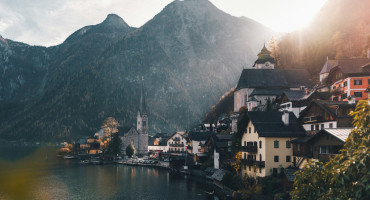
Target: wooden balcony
column 176, row 145
column 249, row 149
column 253, row 162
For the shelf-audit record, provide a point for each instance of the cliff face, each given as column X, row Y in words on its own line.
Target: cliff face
column 189, row 55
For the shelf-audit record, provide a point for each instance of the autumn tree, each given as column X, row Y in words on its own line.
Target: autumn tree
column 110, row 126
column 347, row 175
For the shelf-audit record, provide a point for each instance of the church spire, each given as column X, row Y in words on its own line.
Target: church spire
column 142, row 108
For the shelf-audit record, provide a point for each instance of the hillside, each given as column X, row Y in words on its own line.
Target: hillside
column 189, row 54
column 341, row 29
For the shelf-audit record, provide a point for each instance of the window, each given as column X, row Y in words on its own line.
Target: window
column 274, row 171
column 345, row 84
column 358, row 94
column 255, row 131
column 335, row 99
column 260, row 144
column 339, row 85
column 312, row 127
column 276, row 158
column 357, row 82
column 322, row 126
column 368, row 81
column 334, row 87
column 287, row 144
column 344, row 96
column 245, row 143
column 299, row 147
column 324, row 150
column 288, row 159
column 330, row 125
column 245, row 156
column 144, row 123
column 317, row 127
column 276, row 144
column 250, row 130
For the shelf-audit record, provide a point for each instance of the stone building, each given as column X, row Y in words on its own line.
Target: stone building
column 139, row 136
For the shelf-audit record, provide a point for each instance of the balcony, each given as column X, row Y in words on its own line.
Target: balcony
column 249, row 149
column 253, row 162
column 177, row 145
column 337, row 91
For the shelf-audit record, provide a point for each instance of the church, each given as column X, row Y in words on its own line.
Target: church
column 137, row 137
column 262, row 83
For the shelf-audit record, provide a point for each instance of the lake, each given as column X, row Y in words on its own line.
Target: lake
column 36, row 173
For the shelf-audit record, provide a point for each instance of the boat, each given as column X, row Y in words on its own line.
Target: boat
column 69, row 157
column 84, row 161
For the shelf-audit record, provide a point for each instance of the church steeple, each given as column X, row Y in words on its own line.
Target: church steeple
column 142, row 117
column 264, row 61
column 142, row 107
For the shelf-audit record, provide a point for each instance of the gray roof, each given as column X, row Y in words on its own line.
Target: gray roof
column 274, row 78
column 218, row 175
column 340, row 133
column 296, row 95
column 351, row 65
column 199, row 136
column 270, row 124
column 266, row 92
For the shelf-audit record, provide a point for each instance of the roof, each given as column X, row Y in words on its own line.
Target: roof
column 270, row 124
column 290, row 173
column 302, row 139
column 199, row 136
column 266, row 92
column 350, row 65
column 340, row 133
column 333, row 107
column 264, row 56
column 297, row 95
column 218, row 175
column 273, row 78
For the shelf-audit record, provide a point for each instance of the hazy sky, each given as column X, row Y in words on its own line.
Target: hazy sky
column 50, row 22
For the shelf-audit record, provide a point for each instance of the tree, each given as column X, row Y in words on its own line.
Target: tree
column 130, row 150
column 115, row 145
column 347, row 175
column 110, row 127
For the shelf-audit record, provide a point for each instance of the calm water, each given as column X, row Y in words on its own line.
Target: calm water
column 35, row 173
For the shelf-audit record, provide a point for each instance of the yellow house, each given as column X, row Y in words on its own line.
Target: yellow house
column 266, row 142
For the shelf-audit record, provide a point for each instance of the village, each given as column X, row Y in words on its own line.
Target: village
column 280, row 121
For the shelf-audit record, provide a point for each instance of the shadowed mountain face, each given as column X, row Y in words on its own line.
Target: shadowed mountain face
column 189, row 55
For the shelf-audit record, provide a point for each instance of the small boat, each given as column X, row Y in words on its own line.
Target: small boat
column 69, row 157
column 85, row 161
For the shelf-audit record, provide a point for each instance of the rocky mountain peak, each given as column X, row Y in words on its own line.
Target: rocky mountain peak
column 116, row 21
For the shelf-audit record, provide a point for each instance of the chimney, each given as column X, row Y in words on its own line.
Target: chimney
column 307, row 91
column 285, row 118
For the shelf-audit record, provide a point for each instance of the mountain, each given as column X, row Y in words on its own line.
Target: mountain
column 189, row 54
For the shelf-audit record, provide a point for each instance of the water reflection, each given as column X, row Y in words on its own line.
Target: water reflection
column 40, row 175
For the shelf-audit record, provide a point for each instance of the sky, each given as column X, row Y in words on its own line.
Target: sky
column 50, row 22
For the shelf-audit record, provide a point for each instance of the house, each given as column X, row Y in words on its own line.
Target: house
column 321, row 114
column 349, row 81
column 346, row 64
column 218, row 147
column 266, row 142
column 322, row 146
column 267, row 83
column 197, row 140
column 177, row 143
column 158, row 143
column 296, row 100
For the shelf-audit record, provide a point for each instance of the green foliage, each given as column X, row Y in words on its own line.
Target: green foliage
column 115, row 145
column 130, row 150
column 347, row 175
